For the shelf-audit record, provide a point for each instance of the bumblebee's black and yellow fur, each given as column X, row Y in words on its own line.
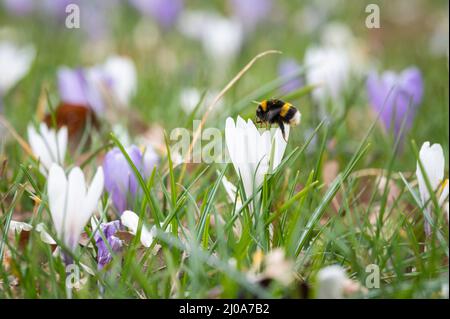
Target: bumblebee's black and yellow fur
column 276, row 111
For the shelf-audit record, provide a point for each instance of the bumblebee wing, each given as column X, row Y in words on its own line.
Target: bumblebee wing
column 272, row 115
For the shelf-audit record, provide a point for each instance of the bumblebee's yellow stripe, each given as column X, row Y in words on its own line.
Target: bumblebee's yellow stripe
column 264, row 105
column 285, row 108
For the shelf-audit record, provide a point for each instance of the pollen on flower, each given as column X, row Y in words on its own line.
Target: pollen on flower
column 444, row 184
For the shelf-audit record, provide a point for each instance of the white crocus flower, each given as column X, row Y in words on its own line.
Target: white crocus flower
column 71, row 202
column 131, row 220
column 330, row 68
column 15, row 63
column 253, row 153
column 433, row 162
column 221, row 37
column 48, row 145
column 340, row 36
column 121, row 71
column 331, row 282
column 333, row 63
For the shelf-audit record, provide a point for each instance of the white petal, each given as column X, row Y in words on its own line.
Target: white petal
column 57, row 192
column 47, row 145
column 94, row 192
column 130, row 220
column 87, row 269
column 147, row 236
column 221, row 37
column 122, row 73
column 234, row 144
column 255, row 149
column 280, row 146
column 433, row 162
column 62, row 136
column 236, row 140
column 229, row 130
column 45, row 237
column 17, row 227
column 331, row 281
column 247, row 156
column 257, row 158
column 329, row 67
column 94, row 223
column 39, row 149
column 49, row 137
column 14, row 64
column 81, row 204
column 75, row 217
column 240, row 123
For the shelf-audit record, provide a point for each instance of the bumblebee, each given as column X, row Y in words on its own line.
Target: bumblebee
column 276, row 111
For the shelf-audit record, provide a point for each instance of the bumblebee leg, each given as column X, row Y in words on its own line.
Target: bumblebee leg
column 281, row 124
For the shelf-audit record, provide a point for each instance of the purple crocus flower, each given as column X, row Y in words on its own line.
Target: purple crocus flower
column 81, row 87
column 120, row 181
column 87, row 86
column 108, row 230
column 165, row 12
column 397, row 96
column 251, row 12
column 289, row 68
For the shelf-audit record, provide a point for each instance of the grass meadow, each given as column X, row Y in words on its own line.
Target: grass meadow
column 352, row 204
